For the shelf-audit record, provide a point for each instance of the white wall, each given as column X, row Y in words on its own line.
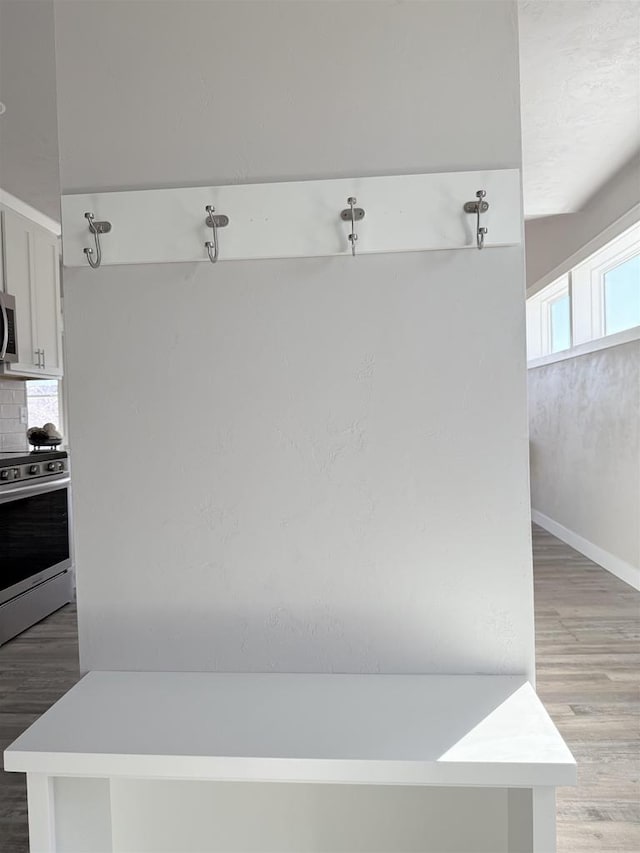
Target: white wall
column 28, row 129
column 13, row 434
column 217, row 92
column 584, row 411
column 356, row 494
column 585, row 454
column 552, row 240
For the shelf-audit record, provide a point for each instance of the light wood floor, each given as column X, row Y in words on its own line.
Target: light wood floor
column 588, row 656
column 36, row 668
column 588, row 673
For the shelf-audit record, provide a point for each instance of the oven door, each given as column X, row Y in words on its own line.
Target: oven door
column 34, row 534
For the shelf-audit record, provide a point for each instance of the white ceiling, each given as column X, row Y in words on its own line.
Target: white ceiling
column 580, row 82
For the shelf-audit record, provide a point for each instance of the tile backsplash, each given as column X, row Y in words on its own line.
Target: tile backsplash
column 13, row 434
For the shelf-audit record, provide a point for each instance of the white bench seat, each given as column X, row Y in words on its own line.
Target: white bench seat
column 356, row 730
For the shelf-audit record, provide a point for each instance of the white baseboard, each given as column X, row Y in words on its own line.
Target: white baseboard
column 621, row 569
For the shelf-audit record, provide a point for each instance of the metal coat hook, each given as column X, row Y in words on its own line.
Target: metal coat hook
column 352, row 214
column 96, row 228
column 478, row 207
column 214, row 221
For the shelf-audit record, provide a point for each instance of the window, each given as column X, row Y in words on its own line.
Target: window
column 622, row 296
column 596, row 298
column 560, row 323
column 43, row 402
column 549, row 319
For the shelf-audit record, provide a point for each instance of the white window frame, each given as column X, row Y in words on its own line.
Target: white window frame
column 539, row 335
column 585, row 284
column 558, row 290
column 626, row 255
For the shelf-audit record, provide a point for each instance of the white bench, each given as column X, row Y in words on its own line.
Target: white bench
column 186, row 762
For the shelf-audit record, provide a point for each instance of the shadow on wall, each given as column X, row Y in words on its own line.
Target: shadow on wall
column 322, row 639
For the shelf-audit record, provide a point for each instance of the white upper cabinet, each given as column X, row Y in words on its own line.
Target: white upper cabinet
column 32, row 275
column 48, row 315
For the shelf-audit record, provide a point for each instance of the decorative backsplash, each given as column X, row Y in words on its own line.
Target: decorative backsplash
column 13, row 434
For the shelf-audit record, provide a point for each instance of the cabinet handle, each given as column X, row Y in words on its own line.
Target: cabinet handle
column 44, row 361
column 37, row 352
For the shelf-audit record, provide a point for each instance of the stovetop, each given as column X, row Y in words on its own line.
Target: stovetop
column 19, row 457
column 17, row 467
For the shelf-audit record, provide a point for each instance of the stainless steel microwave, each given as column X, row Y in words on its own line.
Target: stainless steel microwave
column 8, row 328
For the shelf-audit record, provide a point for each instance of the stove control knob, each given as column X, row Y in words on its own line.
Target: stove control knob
column 16, row 473
column 4, row 475
column 60, row 466
column 51, row 466
column 34, row 469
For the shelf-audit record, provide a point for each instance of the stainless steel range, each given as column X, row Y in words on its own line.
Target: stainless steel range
column 35, row 553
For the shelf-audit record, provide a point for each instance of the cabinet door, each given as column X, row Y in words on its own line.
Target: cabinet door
column 48, row 320
column 18, row 240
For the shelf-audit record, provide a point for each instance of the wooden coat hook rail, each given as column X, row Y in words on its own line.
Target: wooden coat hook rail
column 294, row 219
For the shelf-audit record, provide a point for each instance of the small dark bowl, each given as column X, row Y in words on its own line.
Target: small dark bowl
column 40, row 438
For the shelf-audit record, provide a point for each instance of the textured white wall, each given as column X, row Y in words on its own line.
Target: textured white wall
column 585, row 447
column 350, row 501
column 217, row 92
column 29, row 130
column 356, row 496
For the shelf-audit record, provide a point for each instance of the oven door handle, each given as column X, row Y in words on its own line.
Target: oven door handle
column 5, row 329
column 25, row 491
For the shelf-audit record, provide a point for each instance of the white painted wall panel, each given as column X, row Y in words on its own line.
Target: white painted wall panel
column 82, row 815
column 299, row 466
column 403, row 213
column 212, row 93
column 272, row 818
column 355, row 495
